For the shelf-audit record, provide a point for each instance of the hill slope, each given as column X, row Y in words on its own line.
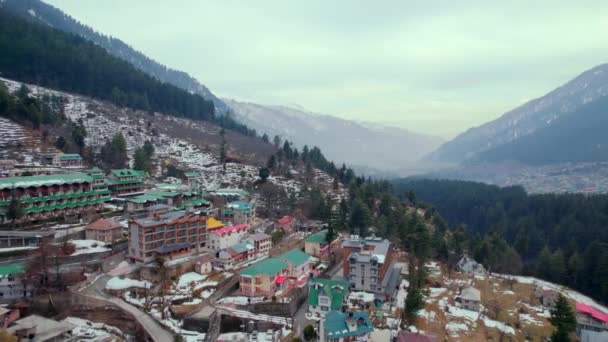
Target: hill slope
column 361, row 144
column 527, row 119
column 38, row 11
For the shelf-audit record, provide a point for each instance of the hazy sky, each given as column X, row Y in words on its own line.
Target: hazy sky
column 438, row 67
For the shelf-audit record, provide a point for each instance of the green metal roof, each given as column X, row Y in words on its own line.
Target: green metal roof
column 127, row 173
column 336, row 326
column 70, row 156
column 295, row 256
column 318, row 237
column 240, row 247
column 48, row 180
column 192, row 174
column 144, row 198
column 336, row 290
column 197, row 201
column 269, row 266
column 11, row 269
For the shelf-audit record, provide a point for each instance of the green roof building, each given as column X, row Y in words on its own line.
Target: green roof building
column 264, row 278
column 67, row 160
column 325, row 295
column 295, row 257
column 123, row 182
column 338, row 326
column 50, row 196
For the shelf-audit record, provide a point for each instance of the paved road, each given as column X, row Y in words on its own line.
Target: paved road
column 154, row 329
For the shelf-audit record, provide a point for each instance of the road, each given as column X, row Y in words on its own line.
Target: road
column 154, row 329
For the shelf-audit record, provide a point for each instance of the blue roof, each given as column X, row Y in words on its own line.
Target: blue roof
column 336, row 325
column 170, row 248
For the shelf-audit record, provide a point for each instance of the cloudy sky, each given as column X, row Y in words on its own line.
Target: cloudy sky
column 438, row 67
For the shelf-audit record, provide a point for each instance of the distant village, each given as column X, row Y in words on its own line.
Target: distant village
column 119, row 256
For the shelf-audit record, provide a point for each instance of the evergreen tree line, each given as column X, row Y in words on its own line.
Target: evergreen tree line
column 561, row 238
column 38, row 54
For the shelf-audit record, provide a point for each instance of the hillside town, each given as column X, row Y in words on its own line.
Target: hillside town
column 122, row 255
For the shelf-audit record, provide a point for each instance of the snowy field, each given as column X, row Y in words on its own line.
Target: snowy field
column 89, row 246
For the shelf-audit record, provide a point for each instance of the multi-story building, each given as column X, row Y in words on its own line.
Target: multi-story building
column 225, row 237
column 104, row 230
column 368, row 265
column 287, row 223
column 264, row 278
column 299, row 265
column 325, row 295
column 261, row 244
column 67, row 160
column 99, row 179
column 590, row 319
column 12, row 285
column 174, row 232
column 250, row 248
column 125, row 182
column 21, row 238
column 50, row 196
column 345, row 327
column 316, row 244
column 238, row 212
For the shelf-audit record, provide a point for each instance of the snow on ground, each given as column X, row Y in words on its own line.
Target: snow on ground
column 118, row 283
column 498, row 325
column 455, row 329
column 359, row 296
column 89, row 246
column 240, row 300
column 436, row 291
column 12, row 249
column 187, row 279
column 87, row 330
column 401, row 294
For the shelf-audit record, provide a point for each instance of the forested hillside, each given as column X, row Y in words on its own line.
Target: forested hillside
column 38, row 11
column 561, row 238
column 38, row 54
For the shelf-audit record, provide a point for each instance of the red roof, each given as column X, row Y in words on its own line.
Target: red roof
column 285, row 220
column 104, row 224
column 280, row 279
column 591, row 311
column 223, row 231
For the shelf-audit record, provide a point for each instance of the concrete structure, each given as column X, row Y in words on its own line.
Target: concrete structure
column 104, row 230
column 167, row 229
column 299, row 265
column 345, row 327
column 368, row 265
column 194, row 179
column 125, row 182
column 37, row 328
column 264, row 278
column 316, row 244
column 325, row 295
column 547, row 297
column 11, row 282
column 250, row 248
column 50, row 196
column 67, row 160
column 471, row 299
column 262, row 243
column 225, row 237
column 287, row 223
column 591, row 319
column 238, row 212
column 20, row 238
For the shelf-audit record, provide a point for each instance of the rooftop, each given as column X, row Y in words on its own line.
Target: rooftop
column 295, row 256
column 259, row 236
column 213, row 223
column 336, row 290
column 336, row 324
column 104, row 224
column 591, row 311
column 172, row 247
column 470, row 293
column 318, row 237
column 69, row 156
column 11, row 269
column 268, row 266
column 127, row 173
column 45, row 180
column 223, row 231
column 46, row 329
column 241, row 247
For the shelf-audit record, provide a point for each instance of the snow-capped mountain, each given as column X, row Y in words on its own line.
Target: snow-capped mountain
column 41, row 12
column 369, row 146
column 528, row 118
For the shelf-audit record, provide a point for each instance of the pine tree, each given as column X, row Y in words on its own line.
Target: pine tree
column 563, row 319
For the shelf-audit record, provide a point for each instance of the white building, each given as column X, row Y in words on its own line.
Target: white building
column 11, row 282
column 225, row 237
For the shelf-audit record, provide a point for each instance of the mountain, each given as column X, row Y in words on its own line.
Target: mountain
column 369, row 147
column 500, row 139
column 38, row 11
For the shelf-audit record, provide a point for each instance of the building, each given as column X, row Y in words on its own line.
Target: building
column 368, row 266
column 299, row 265
column 325, row 295
column 238, row 212
column 67, row 160
column 547, row 297
column 470, row 298
column 316, row 244
column 12, row 285
column 194, row 179
column 287, row 223
column 174, row 229
column 264, row 278
column 99, row 179
column 236, row 255
column 125, row 182
column 104, row 230
column 261, row 244
column 345, row 327
column 50, row 196
column 38, row 328
column 590, row 319
column 225, row 237
column 20, row 238
column 467, row 265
